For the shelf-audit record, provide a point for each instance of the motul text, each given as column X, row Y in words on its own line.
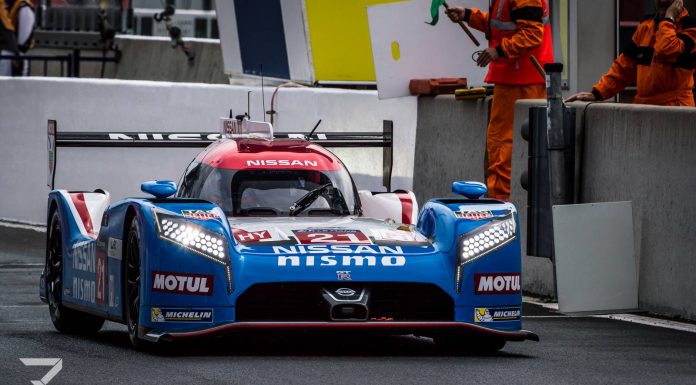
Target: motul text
column 182, row 283
column 504, row 283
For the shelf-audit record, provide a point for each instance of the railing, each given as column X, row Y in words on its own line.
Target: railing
column 70, row 62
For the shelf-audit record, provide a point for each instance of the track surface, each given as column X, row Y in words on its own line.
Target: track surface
column 580, row 350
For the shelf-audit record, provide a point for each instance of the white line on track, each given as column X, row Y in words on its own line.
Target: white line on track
column 8, row 306
column 650, row 321
column 643, row 320
column 21, row 264
column 21, row 225
column 546, row 305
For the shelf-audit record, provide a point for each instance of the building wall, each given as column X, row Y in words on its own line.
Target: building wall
column 592, row 46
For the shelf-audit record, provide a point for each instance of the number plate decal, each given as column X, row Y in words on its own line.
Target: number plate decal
column 331, row 236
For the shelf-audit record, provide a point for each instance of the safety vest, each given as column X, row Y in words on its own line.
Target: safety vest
column 14, row 14
column 519, row 70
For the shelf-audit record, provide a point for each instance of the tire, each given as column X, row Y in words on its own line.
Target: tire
column 132, row 285
column 468, row 345
column 65, row 320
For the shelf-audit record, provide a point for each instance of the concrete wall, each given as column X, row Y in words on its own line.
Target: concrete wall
column 149, row 58
column 641, row 154
column 114, row 105
column 646, row 155
column 450, row 144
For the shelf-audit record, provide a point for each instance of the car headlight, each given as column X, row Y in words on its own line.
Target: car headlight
column 195, row 238
column 483, row 240
column 487, row 238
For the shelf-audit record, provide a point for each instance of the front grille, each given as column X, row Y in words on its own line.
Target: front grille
column 411, row 302
column 304, row 302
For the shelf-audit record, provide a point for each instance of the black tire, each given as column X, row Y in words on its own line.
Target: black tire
column 131, row 283
column 468, row 345
column 64, row 320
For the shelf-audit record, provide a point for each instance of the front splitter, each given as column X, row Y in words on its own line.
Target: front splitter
column 386, row 327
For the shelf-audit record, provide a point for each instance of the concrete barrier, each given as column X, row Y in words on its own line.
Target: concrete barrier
column 128, row 106
column 642, row 154
column 646, row 154
column 450, row 144
column 149, row 58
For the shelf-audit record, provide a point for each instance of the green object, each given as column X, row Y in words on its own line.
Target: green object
column 435, row 10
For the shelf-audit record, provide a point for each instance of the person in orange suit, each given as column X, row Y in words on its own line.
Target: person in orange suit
column 8, row 41
column 659, row 58
column 516, row 30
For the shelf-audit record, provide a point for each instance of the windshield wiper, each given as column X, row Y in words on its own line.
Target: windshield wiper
column 307, row 200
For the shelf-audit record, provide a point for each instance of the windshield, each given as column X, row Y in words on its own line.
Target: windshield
column 269, row 192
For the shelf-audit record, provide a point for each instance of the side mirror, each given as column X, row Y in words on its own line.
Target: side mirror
column 471, row 190
column 159, row 188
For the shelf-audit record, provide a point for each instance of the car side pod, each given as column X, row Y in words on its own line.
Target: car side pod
column 471, row 190
column 159, row 188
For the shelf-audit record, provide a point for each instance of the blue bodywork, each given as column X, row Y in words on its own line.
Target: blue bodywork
column 93, row 267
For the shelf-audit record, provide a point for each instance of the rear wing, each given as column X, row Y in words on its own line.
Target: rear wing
column 144, row 139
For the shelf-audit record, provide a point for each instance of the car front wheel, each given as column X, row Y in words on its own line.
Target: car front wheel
column 65, row 320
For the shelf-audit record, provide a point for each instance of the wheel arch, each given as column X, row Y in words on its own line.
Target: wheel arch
column 131, row 212
column 52, row 208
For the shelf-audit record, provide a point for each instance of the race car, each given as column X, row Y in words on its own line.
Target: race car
column 268, row 231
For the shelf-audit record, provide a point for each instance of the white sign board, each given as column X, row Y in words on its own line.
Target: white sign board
column 404, row 47
column 595, row 259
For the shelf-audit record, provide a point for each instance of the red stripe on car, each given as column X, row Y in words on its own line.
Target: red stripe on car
column 78, row 200
column 406, row 207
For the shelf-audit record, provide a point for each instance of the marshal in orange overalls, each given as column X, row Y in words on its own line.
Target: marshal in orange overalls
column 517, row 29
column 660, row 58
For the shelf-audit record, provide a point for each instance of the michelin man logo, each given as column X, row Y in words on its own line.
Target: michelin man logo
column 156, row 315
column 482, row 314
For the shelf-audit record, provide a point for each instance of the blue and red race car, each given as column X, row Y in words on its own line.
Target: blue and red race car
column 265, row 232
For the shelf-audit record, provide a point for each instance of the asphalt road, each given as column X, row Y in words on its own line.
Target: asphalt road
column 583, row 350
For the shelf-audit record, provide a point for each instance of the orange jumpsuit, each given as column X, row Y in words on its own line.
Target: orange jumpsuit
column 660, row 59
column 517, row 29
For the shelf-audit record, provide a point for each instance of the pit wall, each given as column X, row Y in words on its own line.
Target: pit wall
column 638, row 153
column 133, row 106
column 642, row 154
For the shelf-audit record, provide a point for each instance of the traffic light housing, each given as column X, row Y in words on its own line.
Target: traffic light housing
column 536, row 178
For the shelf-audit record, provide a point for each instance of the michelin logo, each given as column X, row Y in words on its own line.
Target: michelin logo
column 180, row 315
column 388, row 256
column 482, row 314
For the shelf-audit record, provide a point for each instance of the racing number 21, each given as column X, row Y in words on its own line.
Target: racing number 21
column 356, row 236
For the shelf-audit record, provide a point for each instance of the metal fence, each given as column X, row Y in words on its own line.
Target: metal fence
column 69, row 63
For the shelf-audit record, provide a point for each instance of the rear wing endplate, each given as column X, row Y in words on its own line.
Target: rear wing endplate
column 58, row 139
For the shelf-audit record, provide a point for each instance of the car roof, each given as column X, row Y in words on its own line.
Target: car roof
column 263, row 154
